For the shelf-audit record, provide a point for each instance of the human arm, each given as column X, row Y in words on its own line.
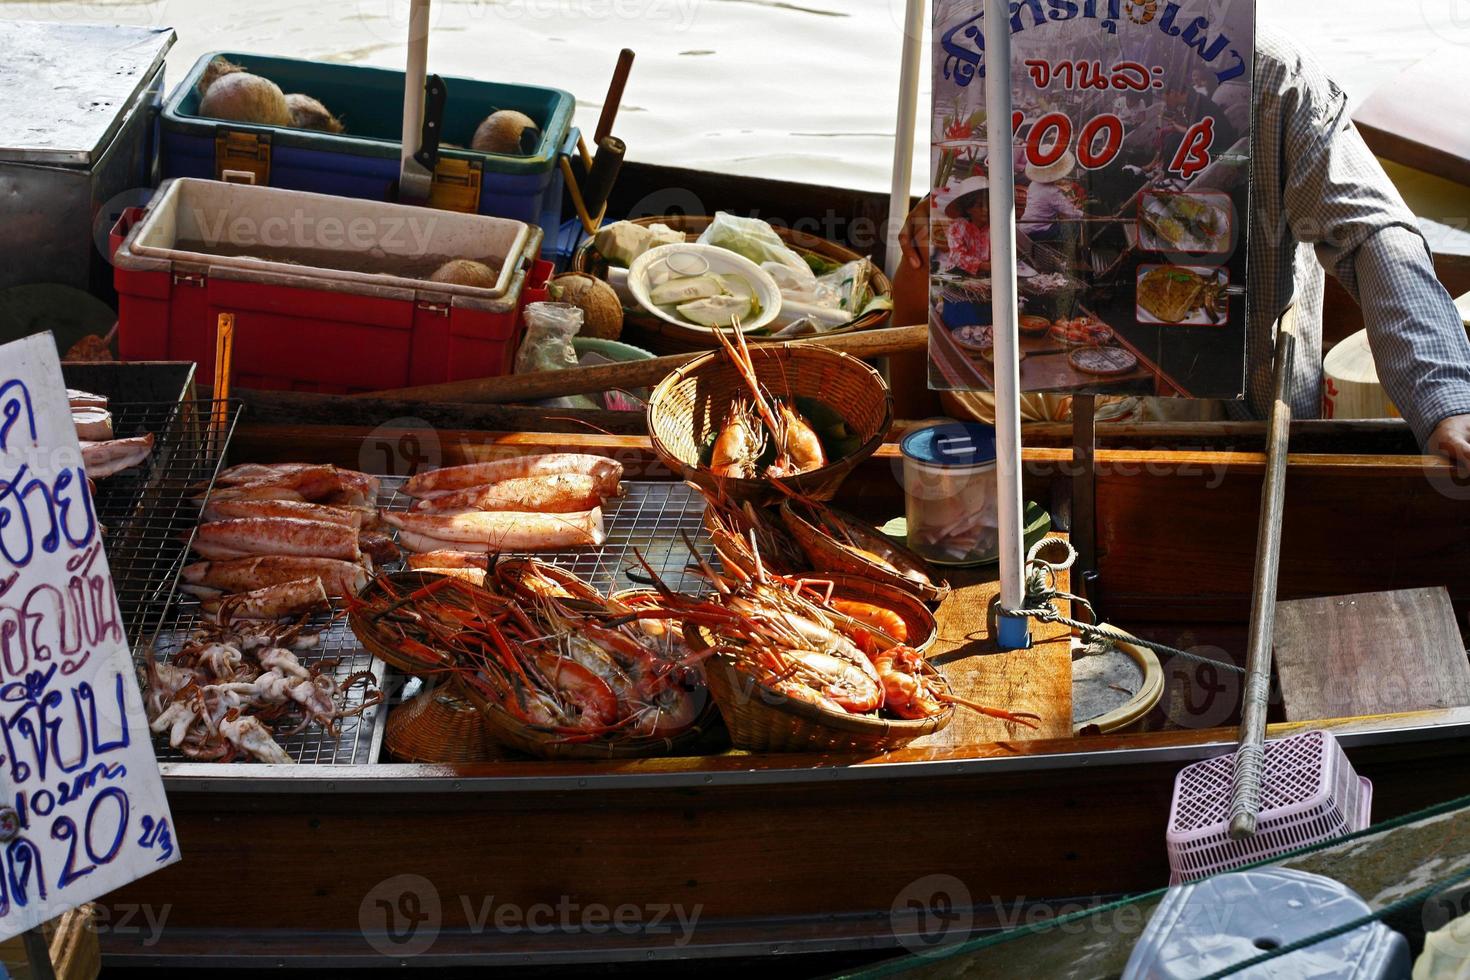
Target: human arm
column 1338, row 199
column 913, row 237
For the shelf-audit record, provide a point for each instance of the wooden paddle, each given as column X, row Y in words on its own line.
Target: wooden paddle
column 636, row 374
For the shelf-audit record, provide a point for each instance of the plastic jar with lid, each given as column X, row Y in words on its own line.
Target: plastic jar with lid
column 950, row 492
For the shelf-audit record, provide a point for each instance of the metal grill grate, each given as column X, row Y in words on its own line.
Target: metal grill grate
column 149, row 511
column 649, row 518
column 359, row 737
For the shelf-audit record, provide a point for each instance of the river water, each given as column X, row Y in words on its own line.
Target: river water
column 795, row 89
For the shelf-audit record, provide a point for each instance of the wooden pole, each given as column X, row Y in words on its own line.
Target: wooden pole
column 1245, row 796
column 1013, row 633
column 38, row 952
column 638, row 374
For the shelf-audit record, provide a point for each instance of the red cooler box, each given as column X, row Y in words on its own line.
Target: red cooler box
column 329, row 294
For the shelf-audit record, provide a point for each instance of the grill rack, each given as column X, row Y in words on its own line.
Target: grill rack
column 650, row 518
column 149, row 511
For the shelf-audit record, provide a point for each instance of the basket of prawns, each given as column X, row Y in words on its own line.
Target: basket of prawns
column 558, row 670
column 792, row 674
column 735, row 420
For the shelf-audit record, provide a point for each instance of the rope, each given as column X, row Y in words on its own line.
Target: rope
column 1042, row 591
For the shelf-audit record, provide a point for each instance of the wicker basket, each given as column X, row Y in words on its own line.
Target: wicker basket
column 380, row 641
column 507, row 730
column 728, row 534
column 828, row 556
column 922, row 628
column 689, row 406
column 439, row 727
column 762, row 720
column 663, row 337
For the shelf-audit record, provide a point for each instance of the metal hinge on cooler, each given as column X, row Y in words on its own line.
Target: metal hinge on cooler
column 188, row 279
column 242, row 158
column 438, row 309
column 456, row 185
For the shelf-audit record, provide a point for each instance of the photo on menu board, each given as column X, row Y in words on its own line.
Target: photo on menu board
column 1130, row 153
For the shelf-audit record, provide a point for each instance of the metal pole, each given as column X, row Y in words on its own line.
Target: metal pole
column 414, row 180
column 1013, row 633
column 1245, row 796
column 903, row 129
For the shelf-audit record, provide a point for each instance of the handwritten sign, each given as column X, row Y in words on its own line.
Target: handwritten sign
column 1130, row 152
column 77, row 770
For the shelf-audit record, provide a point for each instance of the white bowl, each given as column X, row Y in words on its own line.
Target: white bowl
column 721, row 261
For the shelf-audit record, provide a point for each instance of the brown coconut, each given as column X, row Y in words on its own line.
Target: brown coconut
column 465, row 272
column 308, row 113
column 602, row 312
column 501, row 132
column 243, row 97
column 219, row 66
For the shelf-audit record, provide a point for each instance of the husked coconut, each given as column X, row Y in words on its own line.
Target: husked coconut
column 243, row 97
column 602, row 312
column 466, row 272
column 501, row 132
column 308, row 113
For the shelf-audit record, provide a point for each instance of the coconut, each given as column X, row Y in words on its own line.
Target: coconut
column 308, row 113
column 501, row 132
column 602, row 313
column 219, row 66
column 247, row 98
column 465, row 272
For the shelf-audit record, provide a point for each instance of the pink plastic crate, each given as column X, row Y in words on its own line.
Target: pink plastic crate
column 1309, row 794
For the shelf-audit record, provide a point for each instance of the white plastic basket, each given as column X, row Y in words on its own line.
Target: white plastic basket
column 1309, row 794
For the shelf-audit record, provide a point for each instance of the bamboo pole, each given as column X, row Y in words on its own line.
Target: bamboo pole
column 637, row 374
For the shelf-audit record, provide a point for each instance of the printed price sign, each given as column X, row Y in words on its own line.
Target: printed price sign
column 1130, row 152
column 86, row 812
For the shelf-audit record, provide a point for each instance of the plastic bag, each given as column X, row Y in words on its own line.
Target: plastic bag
column 550, row 328
column 758, row 241
column 847, row 286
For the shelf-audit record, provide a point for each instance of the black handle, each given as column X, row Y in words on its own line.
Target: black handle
column 436, row 95
column 598, row 184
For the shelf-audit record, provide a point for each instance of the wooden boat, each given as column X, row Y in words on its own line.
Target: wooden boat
column 786, row 854
column 1387, row 864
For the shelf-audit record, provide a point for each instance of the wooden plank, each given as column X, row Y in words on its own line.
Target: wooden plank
column 1418, row 118
column 1038, row 680
column 1371, row 653
column 636, row 374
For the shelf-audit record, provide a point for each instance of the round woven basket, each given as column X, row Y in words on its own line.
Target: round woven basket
column 511, row 732
column 918, row 621
column 689, row 406
column 729, row 530
column 762, row 720
column 828, row 556
column 667, row 338
column 380, row 641
column 438, row 726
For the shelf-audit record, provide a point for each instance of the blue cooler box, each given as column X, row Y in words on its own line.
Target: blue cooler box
column 364, row 161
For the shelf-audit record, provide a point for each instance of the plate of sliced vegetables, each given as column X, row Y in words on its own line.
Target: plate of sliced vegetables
column 704, row 287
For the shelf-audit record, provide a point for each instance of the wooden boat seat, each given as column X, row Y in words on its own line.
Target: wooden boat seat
column 1370, row 654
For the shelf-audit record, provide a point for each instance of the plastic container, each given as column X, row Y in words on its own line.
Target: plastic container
column 318, row 306
column 1207, row 926
column 950, row 493
column 1309, row 794
column 364, row 161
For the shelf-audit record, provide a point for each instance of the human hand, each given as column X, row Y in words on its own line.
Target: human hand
column 1451, row 439
column 914, row 236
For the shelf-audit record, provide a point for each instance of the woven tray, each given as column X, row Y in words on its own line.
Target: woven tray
column 762, row 720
